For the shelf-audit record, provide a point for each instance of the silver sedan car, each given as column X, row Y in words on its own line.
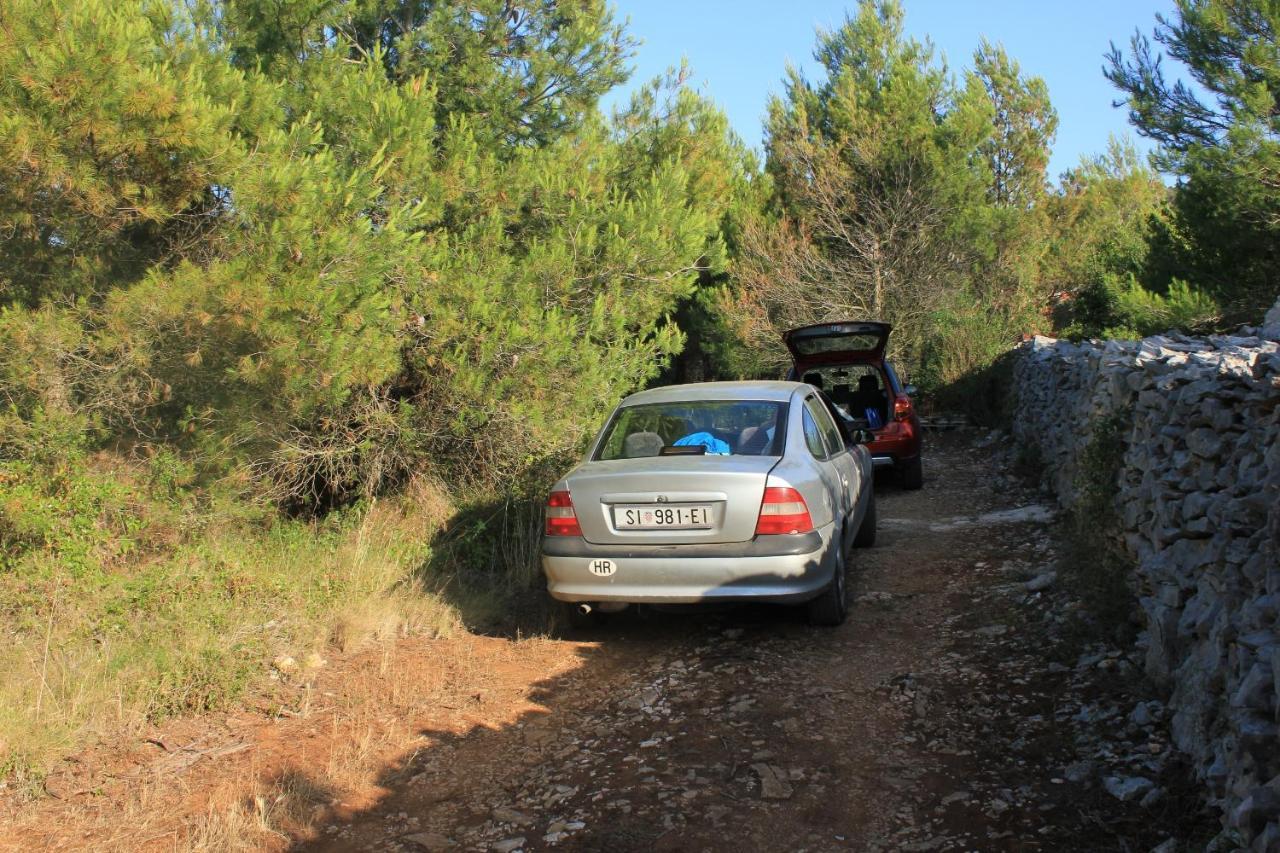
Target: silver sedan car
column 708, row 492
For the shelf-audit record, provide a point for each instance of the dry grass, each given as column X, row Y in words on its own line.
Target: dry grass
column 210, row 603
column 189, row 628
column 347, row 738
column 267, row 816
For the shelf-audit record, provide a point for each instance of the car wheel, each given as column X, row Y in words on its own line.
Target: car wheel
column 832, row 606
column 867, row 530
column 913, row 474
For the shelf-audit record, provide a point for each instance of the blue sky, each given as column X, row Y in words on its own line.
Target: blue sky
column 738, row 50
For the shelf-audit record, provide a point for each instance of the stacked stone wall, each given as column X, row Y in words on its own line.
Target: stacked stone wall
column 1199, row 503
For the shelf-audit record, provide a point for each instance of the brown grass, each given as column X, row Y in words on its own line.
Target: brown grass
column 190, row 630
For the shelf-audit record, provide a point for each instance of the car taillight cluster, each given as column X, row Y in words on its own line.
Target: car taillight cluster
column 901, row 408
column 783, row 510
column 561, row 519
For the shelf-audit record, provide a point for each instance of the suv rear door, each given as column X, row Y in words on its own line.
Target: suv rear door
column 837, row 343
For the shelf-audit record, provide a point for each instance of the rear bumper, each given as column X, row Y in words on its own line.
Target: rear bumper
column 895, row 447
column 777, row 569
column 878, row 462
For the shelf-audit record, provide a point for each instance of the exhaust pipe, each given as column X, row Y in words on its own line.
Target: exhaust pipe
column 584, row 609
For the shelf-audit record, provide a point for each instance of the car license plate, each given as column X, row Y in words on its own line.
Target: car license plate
column 661, row 517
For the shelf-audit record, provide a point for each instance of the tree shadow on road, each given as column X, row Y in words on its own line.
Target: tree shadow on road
column 482, row 775
column 512, row 742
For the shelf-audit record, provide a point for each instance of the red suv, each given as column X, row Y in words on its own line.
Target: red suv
column 846, row 361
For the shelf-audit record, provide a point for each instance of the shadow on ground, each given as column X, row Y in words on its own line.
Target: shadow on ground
column 456, row 787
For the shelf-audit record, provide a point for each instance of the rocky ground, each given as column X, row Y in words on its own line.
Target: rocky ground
column 967, row 704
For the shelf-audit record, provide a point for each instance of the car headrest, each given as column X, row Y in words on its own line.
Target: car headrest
column 641, row 444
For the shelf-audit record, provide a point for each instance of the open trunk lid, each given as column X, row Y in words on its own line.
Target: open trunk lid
column 702, row 499
column 837, row 343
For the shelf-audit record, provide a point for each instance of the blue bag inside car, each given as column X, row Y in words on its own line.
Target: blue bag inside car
column 874, row 420
column 713, row 445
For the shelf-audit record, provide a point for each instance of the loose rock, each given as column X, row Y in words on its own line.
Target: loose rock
column 1126, row 789
column 773, row 782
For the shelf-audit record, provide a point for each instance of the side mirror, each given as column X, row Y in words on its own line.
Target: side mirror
column 909, row 390
column 863, row 436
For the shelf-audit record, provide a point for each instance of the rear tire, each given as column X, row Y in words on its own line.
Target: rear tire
column 831, row 608
column 867, row 530
column 913, row 474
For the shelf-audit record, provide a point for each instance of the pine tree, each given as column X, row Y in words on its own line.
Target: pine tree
column 329, row 243
column 1225, row 228
column 871, row 169
column 524, row 74
column 1024, row 125
column 113, row 135
column 1007, row 230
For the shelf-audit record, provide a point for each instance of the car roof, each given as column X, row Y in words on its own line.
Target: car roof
column 776, row 391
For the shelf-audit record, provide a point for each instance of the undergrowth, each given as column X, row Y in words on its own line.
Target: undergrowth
column 127, row 597
column 490, row 550
column 1096, row 563
column 982, row 394
column 1119, row 307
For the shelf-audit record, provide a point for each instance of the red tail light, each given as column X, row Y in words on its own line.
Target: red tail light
column 561, row 519
column 783, row 510
column 901, row 408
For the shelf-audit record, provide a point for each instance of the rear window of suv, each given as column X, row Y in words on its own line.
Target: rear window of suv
column 835, row 343
column 723, row 427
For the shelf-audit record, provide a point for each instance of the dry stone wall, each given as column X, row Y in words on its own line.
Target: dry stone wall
column 1199, row 501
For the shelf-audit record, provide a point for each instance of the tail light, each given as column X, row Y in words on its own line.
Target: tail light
column 901, row 408
column 783, row 510
column 561, row 519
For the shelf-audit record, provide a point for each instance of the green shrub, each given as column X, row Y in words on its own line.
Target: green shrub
column 64, row 520
column 1120, row 307
column 967, row 363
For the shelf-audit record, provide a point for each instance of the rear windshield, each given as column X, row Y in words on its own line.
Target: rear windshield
column 723, row 427
column 834, row 343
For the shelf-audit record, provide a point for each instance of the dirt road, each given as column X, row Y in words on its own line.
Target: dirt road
column 929, row 721
column 965, row 705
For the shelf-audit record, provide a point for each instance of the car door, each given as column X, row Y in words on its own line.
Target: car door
column 835, row 462
column 845, row 342
column 811, row 437
column 850, row 458
column 847, row 463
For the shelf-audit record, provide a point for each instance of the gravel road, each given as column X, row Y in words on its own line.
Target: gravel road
column 962, row 707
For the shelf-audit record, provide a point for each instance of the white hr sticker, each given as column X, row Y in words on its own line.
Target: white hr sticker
column 603, row 568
